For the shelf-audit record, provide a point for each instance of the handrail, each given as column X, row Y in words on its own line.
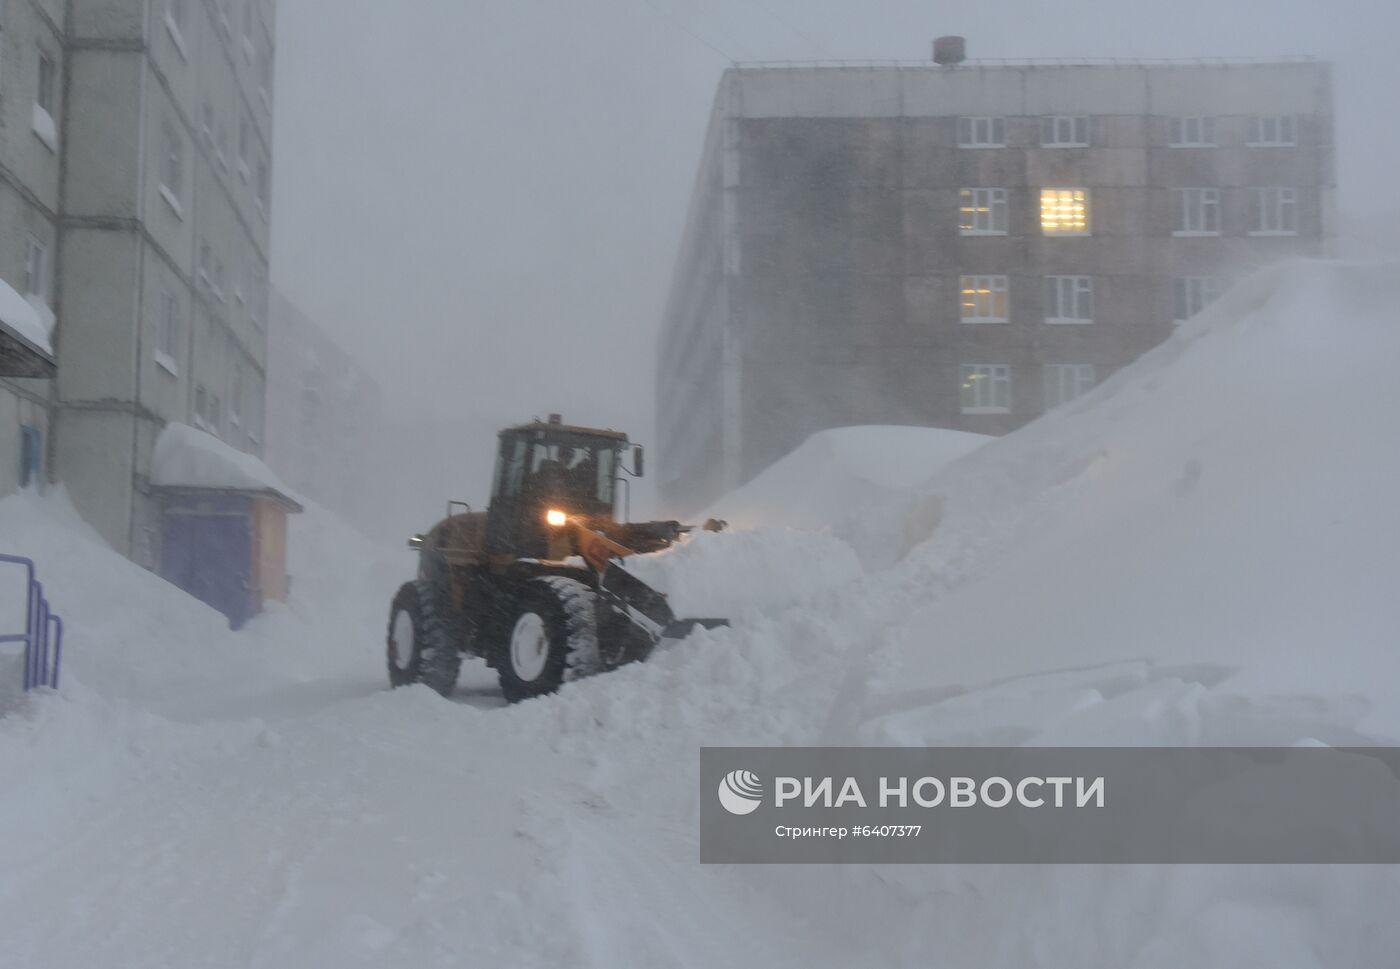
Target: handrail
column 42, row 627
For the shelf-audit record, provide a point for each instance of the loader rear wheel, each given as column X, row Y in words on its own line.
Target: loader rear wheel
column 549, row 637
column 420, row 646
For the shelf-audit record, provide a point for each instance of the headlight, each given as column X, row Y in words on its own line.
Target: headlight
column 555, row 517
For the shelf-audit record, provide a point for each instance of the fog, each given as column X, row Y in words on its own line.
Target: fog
column 483, row 202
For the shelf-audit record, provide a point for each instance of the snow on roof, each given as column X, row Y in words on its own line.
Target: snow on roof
column 25, row 320
column 189, row 458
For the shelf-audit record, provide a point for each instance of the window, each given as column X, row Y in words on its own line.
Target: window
column 1069, row 299
column 206, row 263
column 981, row 132
column 1066, row 381
column 1064, row 211
column 264, row 187
column 1191, row 294
column 201, row 404
column 235, row 397
column 244, row 145
column 1193, row 132
column 982, row 211
column 175, row 14
column 44, row 97
column 1273, row 130
column 986, row 388
column 36, row 268
column 1064, row 131
column 1275, row 212
column 172, row 161
column 983, row 299
column 168, row 334
column 31, row 455
column 1197, row 211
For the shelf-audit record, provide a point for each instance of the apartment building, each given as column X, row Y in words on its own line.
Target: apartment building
column 965, row 245
column 136, row 177
column 31, row 67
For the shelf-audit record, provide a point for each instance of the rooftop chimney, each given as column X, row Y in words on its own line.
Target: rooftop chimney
column 949, row 51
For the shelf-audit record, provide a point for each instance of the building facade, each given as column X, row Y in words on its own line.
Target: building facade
column 32, row 60
column 965, row 246
column 150, row 194
column 324, row 417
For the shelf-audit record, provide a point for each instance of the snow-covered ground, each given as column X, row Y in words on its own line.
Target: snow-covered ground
column 1199, row 552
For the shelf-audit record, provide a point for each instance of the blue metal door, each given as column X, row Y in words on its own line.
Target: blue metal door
column 210, row 557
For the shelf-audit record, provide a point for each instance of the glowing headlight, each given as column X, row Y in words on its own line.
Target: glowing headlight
column 555, row 517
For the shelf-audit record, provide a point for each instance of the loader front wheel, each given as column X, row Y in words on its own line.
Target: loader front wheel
column 420, row 647
column 549, row 637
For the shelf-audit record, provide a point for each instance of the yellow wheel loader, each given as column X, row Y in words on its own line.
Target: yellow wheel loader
column 533, row 585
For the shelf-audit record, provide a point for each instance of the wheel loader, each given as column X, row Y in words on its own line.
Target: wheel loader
column 533, row 585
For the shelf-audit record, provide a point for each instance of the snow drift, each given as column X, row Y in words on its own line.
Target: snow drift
column 1198, row 552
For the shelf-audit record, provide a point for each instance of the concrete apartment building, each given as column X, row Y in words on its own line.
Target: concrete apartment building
column 965, row 245
column 325, row 415
column 31, row 66
column 150, row 196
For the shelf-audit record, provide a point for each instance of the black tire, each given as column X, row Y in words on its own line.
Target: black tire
column 550, row 636
column 430, row 655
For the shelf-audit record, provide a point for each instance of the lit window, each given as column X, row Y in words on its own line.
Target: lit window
column 1066, row 381
column 1191, row 294
column 1273, row 131
column 1064, row 131
column 1193, row 132
column 1275, row 212
column 1197, row 211
column 982, row 211
column 1069, row 299
column 36, row 268
column 985, row 388
column 1064, row 211
column 983, row 299
column 981, row 132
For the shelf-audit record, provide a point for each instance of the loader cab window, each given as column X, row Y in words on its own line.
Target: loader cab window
column 581, row 469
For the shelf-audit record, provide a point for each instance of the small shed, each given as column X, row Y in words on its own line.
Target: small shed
column 223, row 522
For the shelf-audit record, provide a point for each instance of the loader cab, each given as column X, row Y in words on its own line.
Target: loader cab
column 549, row 467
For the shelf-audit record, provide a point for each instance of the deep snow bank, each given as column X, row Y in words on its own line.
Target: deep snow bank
column 855, row 483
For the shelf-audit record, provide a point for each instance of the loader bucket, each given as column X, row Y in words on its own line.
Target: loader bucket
column 645, row 607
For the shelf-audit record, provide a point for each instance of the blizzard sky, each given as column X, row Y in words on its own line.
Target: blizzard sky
column 483, row 201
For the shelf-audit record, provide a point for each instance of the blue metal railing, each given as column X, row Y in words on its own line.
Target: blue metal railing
column 42, row 630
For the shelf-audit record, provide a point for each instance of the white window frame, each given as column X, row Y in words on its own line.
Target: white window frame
column 1056, row 195
column 1065, row 382
column 984, row 292
column 1273, row 131
column 1273, row 211
column 1196, row 209
column 1192, row 294
column 36, row 268
column 1074, row 292
column 994, row 378
column 1064, row 131
column 1192, row 131
column 172, row 166
column 978, row 209
column 981, row 131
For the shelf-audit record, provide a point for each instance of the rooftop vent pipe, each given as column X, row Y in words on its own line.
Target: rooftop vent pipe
column 949, row 51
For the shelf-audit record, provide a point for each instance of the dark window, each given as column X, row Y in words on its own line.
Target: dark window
column 31, row 455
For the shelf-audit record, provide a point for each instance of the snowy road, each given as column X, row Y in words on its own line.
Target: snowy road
column 1195, row 553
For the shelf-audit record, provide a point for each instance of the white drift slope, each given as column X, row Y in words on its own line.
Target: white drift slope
column 1195, row 553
